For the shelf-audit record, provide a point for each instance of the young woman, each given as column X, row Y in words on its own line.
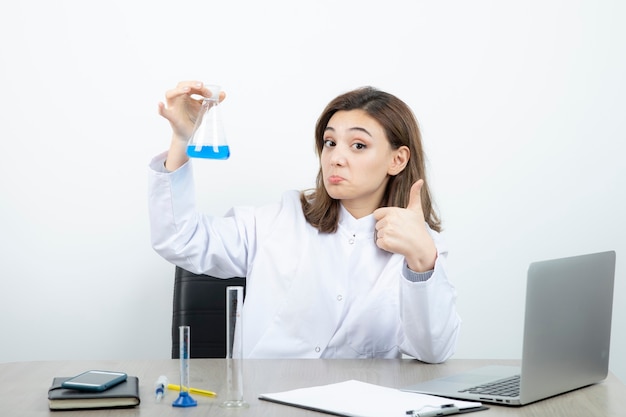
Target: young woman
column 355, row 268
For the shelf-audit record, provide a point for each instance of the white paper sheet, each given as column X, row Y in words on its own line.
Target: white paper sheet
column 360, row 399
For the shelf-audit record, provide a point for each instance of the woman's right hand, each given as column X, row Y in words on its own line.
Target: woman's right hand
column 181, row 110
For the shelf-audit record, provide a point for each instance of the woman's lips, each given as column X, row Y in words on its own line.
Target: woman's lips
column 335, row 179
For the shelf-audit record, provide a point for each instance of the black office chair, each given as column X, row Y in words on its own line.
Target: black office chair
column 200, row 302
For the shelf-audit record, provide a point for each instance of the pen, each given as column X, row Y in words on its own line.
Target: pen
column 443, row 410
column 193, row 390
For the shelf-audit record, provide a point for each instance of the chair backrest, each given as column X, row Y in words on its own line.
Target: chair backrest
column 200, row 302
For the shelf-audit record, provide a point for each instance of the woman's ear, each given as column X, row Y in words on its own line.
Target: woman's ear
column 400, row 159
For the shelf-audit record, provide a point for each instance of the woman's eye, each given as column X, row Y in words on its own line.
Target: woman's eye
column 328, row 143
column 359, row 146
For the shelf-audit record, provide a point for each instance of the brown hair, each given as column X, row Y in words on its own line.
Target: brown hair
column 401, row 129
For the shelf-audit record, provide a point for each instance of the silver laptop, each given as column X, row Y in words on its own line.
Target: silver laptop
column 567, row 331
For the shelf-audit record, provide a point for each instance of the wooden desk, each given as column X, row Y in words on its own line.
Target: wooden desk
column 24, row 386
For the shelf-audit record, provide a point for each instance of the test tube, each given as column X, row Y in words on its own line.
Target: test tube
column 234, row 351
column 184, row 399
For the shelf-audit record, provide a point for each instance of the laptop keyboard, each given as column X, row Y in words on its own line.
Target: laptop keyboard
column 508, row 387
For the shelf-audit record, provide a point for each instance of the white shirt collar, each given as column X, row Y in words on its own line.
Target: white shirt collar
column 363, row 227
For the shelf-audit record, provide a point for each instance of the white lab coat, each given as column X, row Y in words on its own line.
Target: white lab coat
column 308, row 294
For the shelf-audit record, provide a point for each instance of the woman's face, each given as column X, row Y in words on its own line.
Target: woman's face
column 357, row 160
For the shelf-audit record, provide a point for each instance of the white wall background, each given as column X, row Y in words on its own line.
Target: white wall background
column 522, row 106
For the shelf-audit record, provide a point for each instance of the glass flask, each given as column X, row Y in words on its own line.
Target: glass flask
column 208, row 139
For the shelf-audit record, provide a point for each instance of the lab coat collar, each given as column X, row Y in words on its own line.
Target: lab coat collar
column 363, row 227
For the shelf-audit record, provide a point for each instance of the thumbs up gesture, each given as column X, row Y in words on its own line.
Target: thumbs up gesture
column 404, row 231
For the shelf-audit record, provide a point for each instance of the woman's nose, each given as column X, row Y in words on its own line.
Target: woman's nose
column 338, row 158
column 338, row 161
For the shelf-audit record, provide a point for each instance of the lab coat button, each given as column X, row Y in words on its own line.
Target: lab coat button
column 351, row 241
column 339, row 297
column 317, row 349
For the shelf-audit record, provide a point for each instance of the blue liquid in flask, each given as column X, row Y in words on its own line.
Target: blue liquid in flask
column 209, row 152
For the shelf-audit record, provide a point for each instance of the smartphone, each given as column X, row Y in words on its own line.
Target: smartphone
column 95, row 380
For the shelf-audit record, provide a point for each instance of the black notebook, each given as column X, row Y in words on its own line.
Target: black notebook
column 125, row 394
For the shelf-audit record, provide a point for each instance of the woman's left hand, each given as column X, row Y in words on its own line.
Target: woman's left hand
column 404, row 231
